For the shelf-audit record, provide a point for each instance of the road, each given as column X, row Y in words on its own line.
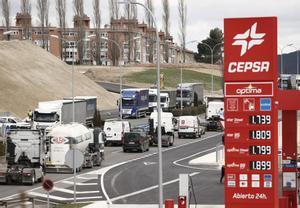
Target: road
column 132, row 177
column 113, row 87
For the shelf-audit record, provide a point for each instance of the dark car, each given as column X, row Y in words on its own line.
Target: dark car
column 214, row 125
column 138, row 141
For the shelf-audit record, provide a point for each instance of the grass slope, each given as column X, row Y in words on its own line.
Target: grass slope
column 172, row 78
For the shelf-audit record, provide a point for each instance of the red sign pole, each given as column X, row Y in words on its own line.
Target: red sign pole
column 251, row 115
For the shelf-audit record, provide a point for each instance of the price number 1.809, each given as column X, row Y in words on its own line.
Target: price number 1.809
column 260, row 134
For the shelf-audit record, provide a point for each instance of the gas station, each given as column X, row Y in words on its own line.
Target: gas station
column 252, row 105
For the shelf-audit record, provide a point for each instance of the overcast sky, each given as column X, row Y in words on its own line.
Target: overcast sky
column 203, row 15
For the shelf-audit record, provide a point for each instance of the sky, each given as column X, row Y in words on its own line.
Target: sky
column 202, row 16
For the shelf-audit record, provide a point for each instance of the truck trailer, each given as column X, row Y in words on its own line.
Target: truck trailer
column 62, row 138
column 135, row 102
column 50, row 113
column 21, row 157
column 91, row 107
column 192, row 94
column 167, row 99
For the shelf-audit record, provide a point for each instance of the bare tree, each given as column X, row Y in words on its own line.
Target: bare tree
column 61, row 13
column 25, row 6
column 43, row 15
column 114, row 9
column 6, row 12
column 79, row 15
column 97, row 22
column 182, row 11
column 149, row 20
column 130, row 10
column 150, row 23
column 166, row 25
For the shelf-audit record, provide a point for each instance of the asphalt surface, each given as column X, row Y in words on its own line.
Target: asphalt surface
column 121, row 176
column 112, row 87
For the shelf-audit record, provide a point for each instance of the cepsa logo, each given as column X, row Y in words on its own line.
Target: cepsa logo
column 250, row 49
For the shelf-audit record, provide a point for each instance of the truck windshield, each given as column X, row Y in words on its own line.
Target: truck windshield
column 152, row 98
column 128, row 102
column 163, row 99
column 45, row 117
column 185, row 93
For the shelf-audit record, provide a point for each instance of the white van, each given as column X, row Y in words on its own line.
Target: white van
column 189, row 126
column 115, row 130
column 167, row 121
column 214, row 108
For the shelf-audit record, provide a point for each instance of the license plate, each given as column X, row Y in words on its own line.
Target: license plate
column 131, row 143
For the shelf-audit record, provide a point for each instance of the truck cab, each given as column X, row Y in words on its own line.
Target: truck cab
column 135, row 102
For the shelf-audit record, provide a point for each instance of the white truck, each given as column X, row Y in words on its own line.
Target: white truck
column 114, row 131
column 167, row 99
column 62, row 138
column 50, row 113
column 21, row 157
column 167, row 123
column 191, row 94
column 214, row 106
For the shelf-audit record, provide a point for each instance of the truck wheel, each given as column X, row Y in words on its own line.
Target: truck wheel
column 32, row 179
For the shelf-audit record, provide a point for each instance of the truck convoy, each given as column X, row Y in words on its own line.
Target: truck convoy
column 135, row 102
column 167, row 99
column 192, row 94
column 50, row 113
column 62, row 138
column 21, row 157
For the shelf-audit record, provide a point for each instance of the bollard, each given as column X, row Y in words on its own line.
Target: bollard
column 169, row 203
column 283, row 202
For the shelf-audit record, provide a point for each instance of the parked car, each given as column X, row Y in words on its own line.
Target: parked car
column 137, row 140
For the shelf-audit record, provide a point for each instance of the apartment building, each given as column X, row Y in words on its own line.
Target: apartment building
column 123, row 41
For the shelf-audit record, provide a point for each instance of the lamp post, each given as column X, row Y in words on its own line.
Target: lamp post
column 281, row 62
column 73, row 105
column 120, row 69
column 160, row 172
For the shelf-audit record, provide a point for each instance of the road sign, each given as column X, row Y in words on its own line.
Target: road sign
column 250, row 75
column 48, row 185
column 70, row 160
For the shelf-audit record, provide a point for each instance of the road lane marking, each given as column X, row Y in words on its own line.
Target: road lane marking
column 148, row 189
column 143, row 157
column 79, row 184
column 176, row 162
column 58, row 198
column 72, row 191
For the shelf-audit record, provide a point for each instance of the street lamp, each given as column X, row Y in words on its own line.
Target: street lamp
column 281, row 62
column 160, row 172
column 73, row 104
column 120, row 69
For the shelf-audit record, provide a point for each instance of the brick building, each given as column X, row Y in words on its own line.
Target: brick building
column 137, row 41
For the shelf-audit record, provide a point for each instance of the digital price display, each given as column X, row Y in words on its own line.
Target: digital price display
column 260, row 134
column 260, row 165
column 260, row 150
column 260, row 119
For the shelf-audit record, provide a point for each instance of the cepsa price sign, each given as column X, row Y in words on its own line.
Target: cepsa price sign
column 250, row 75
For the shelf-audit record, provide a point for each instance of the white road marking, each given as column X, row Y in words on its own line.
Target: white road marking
column 58, row 198
column 193, row 155
column 150, row 163
column 79, row 184
column 72, row 191
column 87, row 178
column 146, row 156
column 148, row 189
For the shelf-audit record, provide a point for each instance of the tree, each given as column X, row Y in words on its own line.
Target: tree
column 43, row 15
column 150, row 23
column 182, row 11
column 61, row 14
column 214, row 40
column 6, row 13
column 97, row 23
column 114, row 11
column 79, row 15
column 25, row 7
column 166, row 25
